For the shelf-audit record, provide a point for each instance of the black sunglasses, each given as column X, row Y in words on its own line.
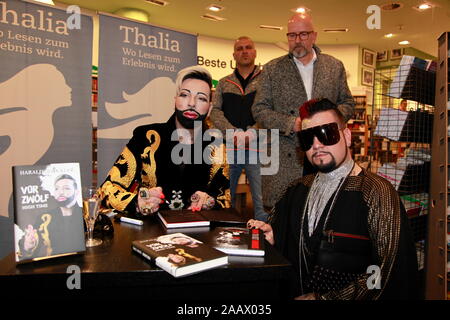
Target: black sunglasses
column 327, row 134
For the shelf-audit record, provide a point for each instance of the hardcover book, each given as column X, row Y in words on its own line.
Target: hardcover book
column 179, row 254
column 47, row 211
column 186, row 218
column 238, row 241
column 182, row 219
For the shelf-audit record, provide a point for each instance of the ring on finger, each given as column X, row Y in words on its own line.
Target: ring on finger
column 195, row 197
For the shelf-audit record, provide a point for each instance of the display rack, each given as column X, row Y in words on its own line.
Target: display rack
column 437, row 277
column 400, row 141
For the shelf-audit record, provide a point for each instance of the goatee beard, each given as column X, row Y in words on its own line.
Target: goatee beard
column 326, row 168
column 299, row 54
column 186, row 122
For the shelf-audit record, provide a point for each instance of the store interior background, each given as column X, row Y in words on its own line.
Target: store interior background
column 403, row 20
column 398, row 21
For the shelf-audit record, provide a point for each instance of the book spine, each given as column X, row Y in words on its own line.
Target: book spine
column 16, row 197
column 142, row 253
column 159, row 261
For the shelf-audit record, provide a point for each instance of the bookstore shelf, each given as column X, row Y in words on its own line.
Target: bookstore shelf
column 401, row 138
column 438, row 265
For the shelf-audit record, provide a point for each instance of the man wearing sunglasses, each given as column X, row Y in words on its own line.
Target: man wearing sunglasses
column 286, row 83
column 344, row 229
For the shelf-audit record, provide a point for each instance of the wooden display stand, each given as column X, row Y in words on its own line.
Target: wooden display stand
column 437, row 276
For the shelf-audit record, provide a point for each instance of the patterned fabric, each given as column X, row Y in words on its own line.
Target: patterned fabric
column 369, row 207
column 276, row 106
column 146, row 161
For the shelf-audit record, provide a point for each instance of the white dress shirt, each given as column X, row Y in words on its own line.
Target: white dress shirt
column 306, row 72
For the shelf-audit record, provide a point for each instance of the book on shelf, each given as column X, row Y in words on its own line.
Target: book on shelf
column 238, row 241
column 405, row 126
column 47, row 211
column 179, row 254
column 186, row 218
column 415, row 79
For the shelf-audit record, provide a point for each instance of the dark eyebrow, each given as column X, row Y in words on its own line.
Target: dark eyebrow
column 191, row 92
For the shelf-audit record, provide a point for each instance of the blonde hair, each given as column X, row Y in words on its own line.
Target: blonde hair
column 193, row 72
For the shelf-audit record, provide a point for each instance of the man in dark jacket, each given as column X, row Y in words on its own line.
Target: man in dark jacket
column 232, row 114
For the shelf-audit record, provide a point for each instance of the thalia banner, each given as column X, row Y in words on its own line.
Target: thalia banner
column 138, row 64
column 45, row 90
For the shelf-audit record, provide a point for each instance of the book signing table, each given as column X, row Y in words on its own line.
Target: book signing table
column 113, row 269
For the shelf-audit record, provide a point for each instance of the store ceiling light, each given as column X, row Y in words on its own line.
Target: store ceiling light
column 335, row 30
column 424, row 6
column 160, row 3
column 214, row 7
column 133, row 13
column 46, row 1
column 213, row 18
column 404, row 42
column 264, row 26
column 389, row 35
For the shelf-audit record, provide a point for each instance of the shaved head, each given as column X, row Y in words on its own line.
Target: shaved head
column 301, row 27
column 303, row 18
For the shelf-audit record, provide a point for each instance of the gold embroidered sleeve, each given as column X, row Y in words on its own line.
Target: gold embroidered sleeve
column 219, row 166
column 115, row 190
column 384, row 230
column 148, row 174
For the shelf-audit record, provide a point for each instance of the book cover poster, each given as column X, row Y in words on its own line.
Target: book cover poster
column 48, row 211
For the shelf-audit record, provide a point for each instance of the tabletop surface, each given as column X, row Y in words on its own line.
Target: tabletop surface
column 115, row 256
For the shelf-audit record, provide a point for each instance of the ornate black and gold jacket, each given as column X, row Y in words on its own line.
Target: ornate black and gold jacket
column 367, row 234
column 152, row 159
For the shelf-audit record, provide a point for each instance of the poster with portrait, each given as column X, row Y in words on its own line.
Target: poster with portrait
column 396, row 54
column 138, row 64
column 369, row 58
column 45, row 90
column 47, row 211
column 367, row 76
column 382, row 56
